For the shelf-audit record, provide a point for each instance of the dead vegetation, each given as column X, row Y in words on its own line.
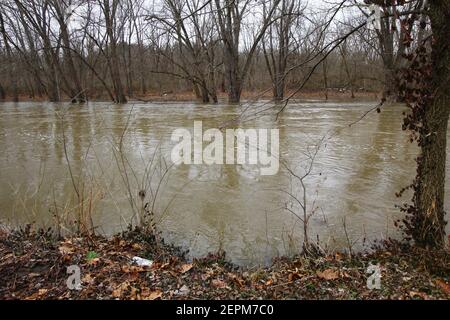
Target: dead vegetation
column 34, row 266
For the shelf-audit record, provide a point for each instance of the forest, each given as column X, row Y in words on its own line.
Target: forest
column 122, row 50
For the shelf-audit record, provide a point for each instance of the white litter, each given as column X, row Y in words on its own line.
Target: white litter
column 183, row 291
column 142, row 262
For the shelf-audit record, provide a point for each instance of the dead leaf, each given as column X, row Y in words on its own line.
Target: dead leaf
column 34, row 275
column 67, row 258
column 118, row 292
column 294, row 275
column 445, row 287
column 218, row 283
column 65, row 250
column 345, row 275
column 133, row 293
column 186, row 267
column 153, row 295
column 93, row 262
column 88, row 279
column 42, row 292
column 414, row 294
column 338, row 256
column 328, row 274
column 133, row 269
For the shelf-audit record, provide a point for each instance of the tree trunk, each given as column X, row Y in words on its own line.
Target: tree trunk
column 2, row 92
column 325, row 78
column 76, row 91
column 232, row 74
column 73, row 86
column 205, row 93
column 119, row 95
column 52, row 85
column 390, row 92
column 278, row 87
column 113, row 59
column 12, row 68
column 431, row 171
column 201, row 93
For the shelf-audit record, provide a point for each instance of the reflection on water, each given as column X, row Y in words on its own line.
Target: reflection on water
column 354, row 179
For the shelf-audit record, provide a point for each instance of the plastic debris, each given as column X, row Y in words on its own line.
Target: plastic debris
column 142, row 262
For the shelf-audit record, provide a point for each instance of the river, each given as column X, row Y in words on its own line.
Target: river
column 351, row 188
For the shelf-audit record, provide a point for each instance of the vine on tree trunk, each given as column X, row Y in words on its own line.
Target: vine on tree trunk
column 414, row 89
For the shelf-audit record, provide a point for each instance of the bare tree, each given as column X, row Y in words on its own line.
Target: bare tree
column 276, row 44
column 62, row 11
column 9, row 57
column 113, row 25
column 229, row 17
column 194, row 45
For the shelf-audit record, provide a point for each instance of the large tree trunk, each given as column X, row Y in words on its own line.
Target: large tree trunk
column 77, row 93
column 390, row 92
column 391, row 57
column 113, row 59
column 52, row 86
column 12, row 64
column 205, row 93
column 233, row 76
column 431, row 171
column 278, row 87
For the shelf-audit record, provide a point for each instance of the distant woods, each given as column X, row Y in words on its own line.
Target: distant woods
column 118, row 50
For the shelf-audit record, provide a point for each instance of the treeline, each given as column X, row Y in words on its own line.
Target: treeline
column 97, row 49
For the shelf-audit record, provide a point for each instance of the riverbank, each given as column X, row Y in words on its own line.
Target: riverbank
column 189, row 96
column 33, row 265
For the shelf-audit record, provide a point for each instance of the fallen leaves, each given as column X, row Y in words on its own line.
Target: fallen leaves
column 121, row 289
column 414, row 294
column 65, row 249
column 218, row 283
column 42, row 292
column 93, row 261
column 111, row 272
column 294, row 275
column 37, row 295
column 151, row 295
column 238, row 280
column 133, row 269
column 137, row 246
column 338, row 256
column 186, row 267
column 444, row 286
column 328, row 274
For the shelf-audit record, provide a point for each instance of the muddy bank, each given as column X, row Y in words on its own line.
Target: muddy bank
column 33, row 265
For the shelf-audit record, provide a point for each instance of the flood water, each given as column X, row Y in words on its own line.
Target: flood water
column 113, row 151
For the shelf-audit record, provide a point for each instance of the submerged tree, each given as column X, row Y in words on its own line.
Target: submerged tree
column 277, row 44
column 230, row 16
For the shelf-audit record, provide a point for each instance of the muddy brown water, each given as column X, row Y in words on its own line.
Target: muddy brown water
column 351, row 188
